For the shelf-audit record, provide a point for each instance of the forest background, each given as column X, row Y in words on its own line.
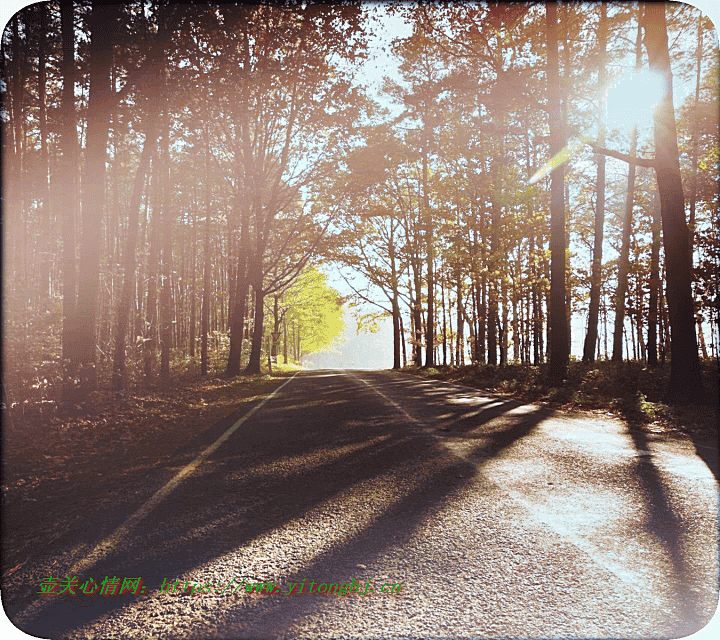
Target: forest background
column 174, row 196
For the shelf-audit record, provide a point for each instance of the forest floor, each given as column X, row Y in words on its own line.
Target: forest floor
column 628, row 390
column 48, row 455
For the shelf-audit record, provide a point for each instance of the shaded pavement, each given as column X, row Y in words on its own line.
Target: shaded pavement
column 498, row 518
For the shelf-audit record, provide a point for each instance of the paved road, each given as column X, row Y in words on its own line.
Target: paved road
column 498, row 519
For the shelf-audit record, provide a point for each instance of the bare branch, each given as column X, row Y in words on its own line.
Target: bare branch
column 641, row 162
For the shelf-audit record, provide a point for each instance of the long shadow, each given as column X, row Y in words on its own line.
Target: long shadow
column 272, row 618
column 708, row 449
column 182, row 533
column 665, row 526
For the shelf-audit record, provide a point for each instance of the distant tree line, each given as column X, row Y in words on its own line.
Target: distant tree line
column 173, row 173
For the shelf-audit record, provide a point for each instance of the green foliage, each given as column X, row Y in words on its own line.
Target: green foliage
column 315, row 310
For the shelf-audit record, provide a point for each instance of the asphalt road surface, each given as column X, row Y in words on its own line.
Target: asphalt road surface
column 498, row 519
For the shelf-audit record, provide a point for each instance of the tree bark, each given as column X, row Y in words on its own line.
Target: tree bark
column 103, row 21
column 694, row 140
column 150, row 333
column 591, row 339
column 685, row 383
column 430, row 324
column 559, row 352
column 395, row 301
column 167, row 257
column 119, row 379
column 205, row 310
column 67, row 196
column 256, row 279
column 44, row 289
column 654, row 284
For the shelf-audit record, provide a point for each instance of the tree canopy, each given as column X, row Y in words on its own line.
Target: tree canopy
column 179, row 178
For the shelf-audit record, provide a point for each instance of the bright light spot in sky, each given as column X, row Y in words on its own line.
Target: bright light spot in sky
column 631, row 100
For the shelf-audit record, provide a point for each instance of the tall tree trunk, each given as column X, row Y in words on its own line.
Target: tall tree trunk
column 694, row 139
column 19, row 122
column 103, row 20
column 167, row 257
column 536, row 322
column 492, row 307
column 444, row 321
column 46, row 245
column 193, row 284
column 591, row 339
column 237, row 319
column 119, row 378
column 256, row 279
column 639, row 315
column 150, row 334
column 67, row 195
column 430, row 243
column 559, row 352
column 516, row 323
column 285, row 345
column 685, row 383
column 624, row 262
column 654, row 283
column 205, row 310
column 460, row 335
column 394, row 301
column 417, row 312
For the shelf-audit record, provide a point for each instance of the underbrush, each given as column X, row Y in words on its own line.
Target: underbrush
column 630, row 390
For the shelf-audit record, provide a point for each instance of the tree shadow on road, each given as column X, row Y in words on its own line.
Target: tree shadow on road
column 667, row 527
column 276, row 471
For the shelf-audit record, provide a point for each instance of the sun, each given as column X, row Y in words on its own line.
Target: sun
column 631, row 100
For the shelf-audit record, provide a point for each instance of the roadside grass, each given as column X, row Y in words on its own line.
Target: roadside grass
column 630, row 390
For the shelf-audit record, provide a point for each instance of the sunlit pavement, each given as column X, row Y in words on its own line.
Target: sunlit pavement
column 499, row 519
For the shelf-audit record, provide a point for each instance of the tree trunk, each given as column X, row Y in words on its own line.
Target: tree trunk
column 559, row 352
column 430, row 243
column 193, row 284
column 492, row 307
column 624, row 261
column 417, row 313
column 444, row 321
column 395, row 302
column 237, row 318
column 694, row 139
column 119, row 379
column 167, row 257
column 205, row 310
column 150, row 334
column 591, row 339
column 685, row 383
column 103, row 20
column 285, row 346
column 460, row 337
column 46, row 245
column 654, row 284
column 253, row 366
column 67, row 195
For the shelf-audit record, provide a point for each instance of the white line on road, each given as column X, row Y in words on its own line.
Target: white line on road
column 107, row 545
column 392, row 402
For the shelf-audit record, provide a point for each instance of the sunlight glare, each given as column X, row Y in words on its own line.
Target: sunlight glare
column 631, row 100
